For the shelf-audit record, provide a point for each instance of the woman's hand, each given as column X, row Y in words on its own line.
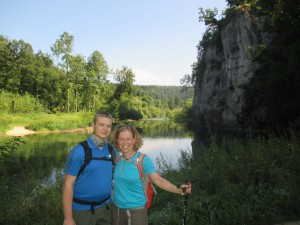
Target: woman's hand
column 186, row 188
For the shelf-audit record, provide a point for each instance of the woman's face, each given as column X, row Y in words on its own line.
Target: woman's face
column 126, row 141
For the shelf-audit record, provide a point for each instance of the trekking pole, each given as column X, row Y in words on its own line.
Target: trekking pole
column 185, row 204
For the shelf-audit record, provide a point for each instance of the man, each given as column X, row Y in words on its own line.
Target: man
column 86, row 193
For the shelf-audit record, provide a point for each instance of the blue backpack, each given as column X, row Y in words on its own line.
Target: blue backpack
column 87, row 159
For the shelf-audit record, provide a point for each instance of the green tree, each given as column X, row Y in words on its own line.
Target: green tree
column 130, row 108
column 18, row 65
column 6, row 59
column 97, row 88
column 76, row 75
column 124, row 78
column 62, row 49
column 275, row 85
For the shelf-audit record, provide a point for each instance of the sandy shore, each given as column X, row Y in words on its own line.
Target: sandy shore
column 19, row 131
column 22, row 131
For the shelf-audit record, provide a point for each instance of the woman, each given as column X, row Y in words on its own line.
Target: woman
column 128, row 196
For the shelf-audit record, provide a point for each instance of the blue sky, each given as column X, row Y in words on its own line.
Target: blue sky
column 157, row 39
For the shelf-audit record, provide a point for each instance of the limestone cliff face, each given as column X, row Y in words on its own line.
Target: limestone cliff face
column 219, row 95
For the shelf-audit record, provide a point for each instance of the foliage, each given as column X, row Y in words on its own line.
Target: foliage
column 61, row 121
column 186, row 114
column 9, row 162
column 125, row 78
column 176, row 94
column 73, row 84
column 208, row 16
column 129, row 108
column 211, row 37
column 187, row 81
column 12, row 103
column 44, row 121
column 254, row 182
column 274, row 88
column 30, row 202
column 25, row 200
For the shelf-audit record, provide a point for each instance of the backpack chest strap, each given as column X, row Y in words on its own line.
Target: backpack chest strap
column 93, row 204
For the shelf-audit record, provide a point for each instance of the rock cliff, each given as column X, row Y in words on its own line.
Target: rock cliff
column 219, row 94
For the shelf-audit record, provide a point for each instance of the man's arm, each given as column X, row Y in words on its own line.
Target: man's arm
column 68, row 199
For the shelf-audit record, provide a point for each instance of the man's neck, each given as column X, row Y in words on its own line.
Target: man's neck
column 98, row 138
column 98, row 141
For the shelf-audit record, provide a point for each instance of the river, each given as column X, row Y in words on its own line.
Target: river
column 47, row 153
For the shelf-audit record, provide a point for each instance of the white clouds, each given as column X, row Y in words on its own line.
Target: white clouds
column 143, row 77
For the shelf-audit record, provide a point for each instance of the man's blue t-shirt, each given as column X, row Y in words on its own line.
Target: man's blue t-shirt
column 128, row 187
column 95, row 183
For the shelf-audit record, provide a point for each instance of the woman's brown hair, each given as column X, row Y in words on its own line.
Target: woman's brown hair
column 135, row 134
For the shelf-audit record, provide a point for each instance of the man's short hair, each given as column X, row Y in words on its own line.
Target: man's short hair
column 102, row 114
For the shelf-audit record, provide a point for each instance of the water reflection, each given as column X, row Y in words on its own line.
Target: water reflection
column 169, row 147
column 46, row 153
column 222, row 137
column 157, row 129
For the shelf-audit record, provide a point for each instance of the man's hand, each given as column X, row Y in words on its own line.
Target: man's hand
column 69, row 222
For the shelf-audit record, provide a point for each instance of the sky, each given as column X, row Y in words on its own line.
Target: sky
column 156, row 39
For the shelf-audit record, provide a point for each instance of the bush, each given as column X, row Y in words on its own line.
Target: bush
column 15, row 103
column 255, row 181
column 25, row 200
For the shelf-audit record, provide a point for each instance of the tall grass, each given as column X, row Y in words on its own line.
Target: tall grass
column 46, row 122
column 24, row 200
column 254, row 182
column 62, row 121
column 8, row 121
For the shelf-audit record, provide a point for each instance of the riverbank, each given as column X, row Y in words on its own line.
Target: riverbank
column 28, row 124
column 20, row 131
column 23, row 131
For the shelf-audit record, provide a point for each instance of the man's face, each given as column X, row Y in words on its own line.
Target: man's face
column 102, row 127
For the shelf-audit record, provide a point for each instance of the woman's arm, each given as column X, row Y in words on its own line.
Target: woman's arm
column 168, row 186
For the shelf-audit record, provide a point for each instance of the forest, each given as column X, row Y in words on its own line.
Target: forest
column 62, row 82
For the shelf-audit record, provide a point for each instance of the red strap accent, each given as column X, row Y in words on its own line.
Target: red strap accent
column 139, row 164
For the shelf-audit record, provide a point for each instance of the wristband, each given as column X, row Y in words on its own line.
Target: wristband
column 182, row 190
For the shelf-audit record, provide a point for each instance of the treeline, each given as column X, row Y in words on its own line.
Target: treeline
column 167, row 92
column 175, row 96
column 62, row 82
column 274, row 88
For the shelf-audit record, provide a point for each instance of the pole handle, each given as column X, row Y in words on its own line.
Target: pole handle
column 188, row 181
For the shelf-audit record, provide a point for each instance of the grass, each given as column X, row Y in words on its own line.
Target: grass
column 252, row 182
column 46, row 122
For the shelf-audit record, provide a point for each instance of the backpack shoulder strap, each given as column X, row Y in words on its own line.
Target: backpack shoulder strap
column 112, row 153
column 139, row 164
column 87, row 156
column 118, row 157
